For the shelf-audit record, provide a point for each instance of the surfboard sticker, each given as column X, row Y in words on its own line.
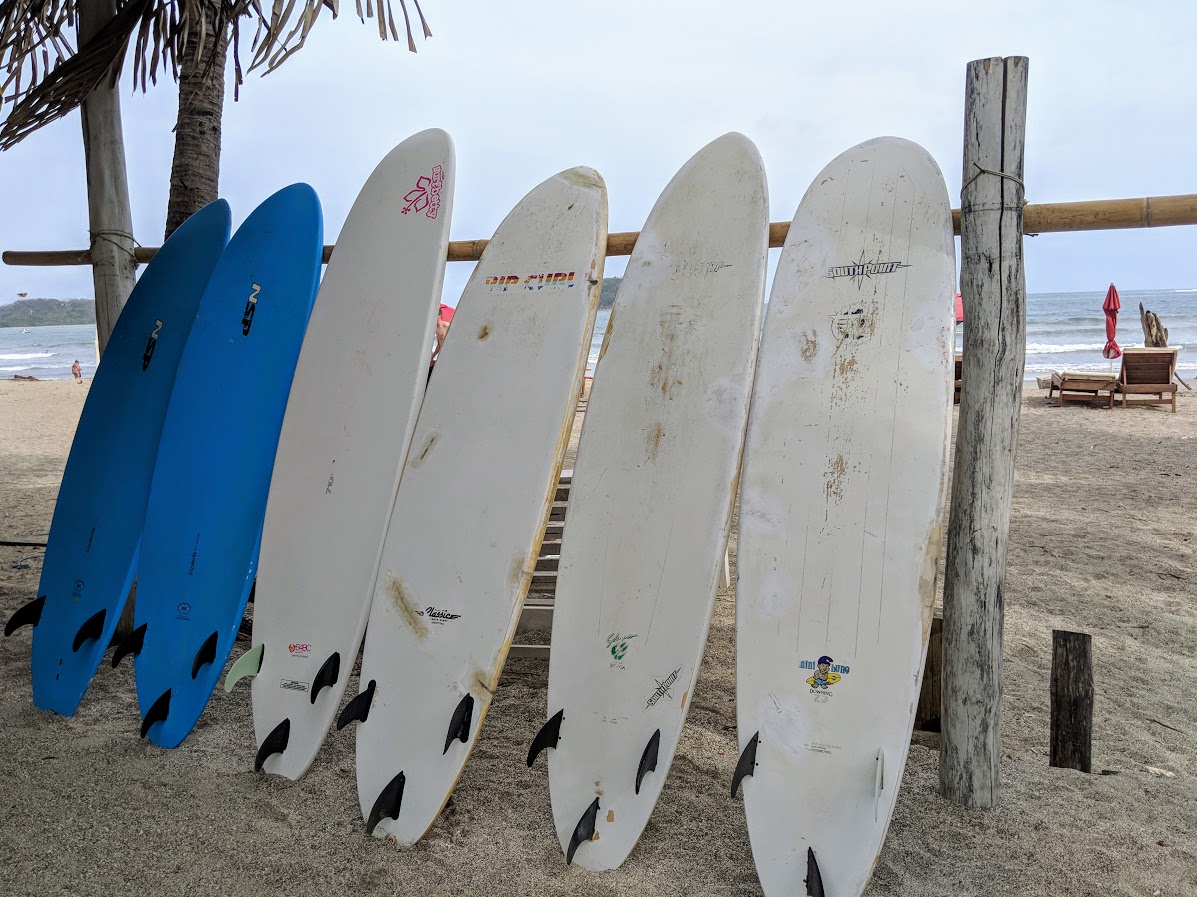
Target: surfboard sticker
column 651, row 497
column 473, row 501
column 841, row 513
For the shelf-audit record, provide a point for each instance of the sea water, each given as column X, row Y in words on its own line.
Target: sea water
column 1065, row 331
column 47, row 353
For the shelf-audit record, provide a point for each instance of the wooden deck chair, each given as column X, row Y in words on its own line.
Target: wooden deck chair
column 1082, row 386
column 1148, row 375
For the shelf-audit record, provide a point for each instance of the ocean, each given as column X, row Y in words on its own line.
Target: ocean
column 1064, row 331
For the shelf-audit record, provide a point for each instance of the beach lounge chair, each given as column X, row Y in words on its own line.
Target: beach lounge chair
column 1082, row 386
column 1148, row 375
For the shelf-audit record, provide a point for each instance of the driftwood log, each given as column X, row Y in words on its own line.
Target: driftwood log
column 1155, row 334
column 994, row 291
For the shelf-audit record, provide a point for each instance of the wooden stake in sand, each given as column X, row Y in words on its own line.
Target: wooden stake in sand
column 1072, row 701
column 994, row 291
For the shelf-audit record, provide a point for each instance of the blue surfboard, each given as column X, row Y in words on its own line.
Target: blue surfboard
column 91, row 553
column 208, row 496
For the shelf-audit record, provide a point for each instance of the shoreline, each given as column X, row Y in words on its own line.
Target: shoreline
column 96, row 810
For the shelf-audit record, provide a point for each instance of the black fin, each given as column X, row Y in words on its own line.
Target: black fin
column 648, row 760
column 27, row 615
column 746, row 764
column 252, row 590
column 92, row 628
column 275, row 743
column 358, row 709
column 157, row 712
column 388, row 803
column 583, row 831
column 459, row 724
column 206, row 654
column 328, row 674
column 547, row 737
column 814, row 881
column 130, row 644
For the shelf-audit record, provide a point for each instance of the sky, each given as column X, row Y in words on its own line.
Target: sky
column 633, row 88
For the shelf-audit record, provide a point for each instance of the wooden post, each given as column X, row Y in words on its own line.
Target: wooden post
column 994, row 291
column 109, row 219
column 1072, row 701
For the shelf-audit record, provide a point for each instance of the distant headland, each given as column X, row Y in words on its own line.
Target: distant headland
column 40, row 312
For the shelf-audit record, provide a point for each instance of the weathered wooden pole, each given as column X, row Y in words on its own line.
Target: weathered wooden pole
column 1072, row 701
column 994, row 292
column 109, row 218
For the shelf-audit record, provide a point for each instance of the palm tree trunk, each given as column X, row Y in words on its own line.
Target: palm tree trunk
column 195, row 173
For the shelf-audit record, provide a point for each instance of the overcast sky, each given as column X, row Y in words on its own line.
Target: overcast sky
column 635, row 87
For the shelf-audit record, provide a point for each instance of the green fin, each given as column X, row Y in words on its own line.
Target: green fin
column 247, row 665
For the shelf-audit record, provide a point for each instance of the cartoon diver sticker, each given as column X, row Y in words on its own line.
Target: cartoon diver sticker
column 823, row 676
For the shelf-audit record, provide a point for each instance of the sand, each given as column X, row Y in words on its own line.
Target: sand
column 1101, row 540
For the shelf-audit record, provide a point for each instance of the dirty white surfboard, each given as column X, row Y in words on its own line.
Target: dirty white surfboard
column 841, row 514
column 350, row 415
column 473, row 501
column 651, row 500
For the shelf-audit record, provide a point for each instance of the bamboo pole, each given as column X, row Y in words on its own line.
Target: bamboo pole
column 1045, row 218
column 110, row 221
column 993, row 287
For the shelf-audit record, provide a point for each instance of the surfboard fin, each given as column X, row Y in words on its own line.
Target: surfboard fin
column 459, row 725
column 879, row 784
column 648, row 760
column 157, row 712
column 547, row 737
column 248, row 664
column 583, row 831
column 27, row 615
column 328, row 674
column 130, row 644
column 275, row 743
column 92, row 628
column 358, row 709
column 388, row 803
column 206, row 654
column 747, row 763
column 813, row 880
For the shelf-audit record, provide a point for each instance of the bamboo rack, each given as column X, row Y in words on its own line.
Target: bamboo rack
column 1043, row 218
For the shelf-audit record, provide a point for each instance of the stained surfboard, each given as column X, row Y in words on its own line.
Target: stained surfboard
column 367, row 348
column 95, row 535
column 651, row 500
column 841, row 514
column 473, row 501
column 208, row 495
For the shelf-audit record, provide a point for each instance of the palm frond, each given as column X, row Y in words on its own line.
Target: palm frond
column 42, row 77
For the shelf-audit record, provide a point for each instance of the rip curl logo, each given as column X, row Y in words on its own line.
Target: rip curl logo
column 438, row 616
column 864, row 269
column 532, row 281
column 150, row 345
column 426, row 195
column 299, row 649
column 826, row 673
column 663, row 689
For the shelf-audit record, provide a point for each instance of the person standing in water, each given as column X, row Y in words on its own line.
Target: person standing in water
column 77, row 372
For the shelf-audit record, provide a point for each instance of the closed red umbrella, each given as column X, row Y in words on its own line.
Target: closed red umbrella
column 1110, row 307
column 959, row 309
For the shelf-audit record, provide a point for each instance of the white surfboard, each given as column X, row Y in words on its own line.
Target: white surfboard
column 350, row 415
column 473, row 501
column 651, row 500
column 841, row 514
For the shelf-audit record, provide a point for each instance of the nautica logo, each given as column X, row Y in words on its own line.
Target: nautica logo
column 251, row 305
column 663, row 686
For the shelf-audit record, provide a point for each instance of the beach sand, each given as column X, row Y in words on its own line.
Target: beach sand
column 1101, row 541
